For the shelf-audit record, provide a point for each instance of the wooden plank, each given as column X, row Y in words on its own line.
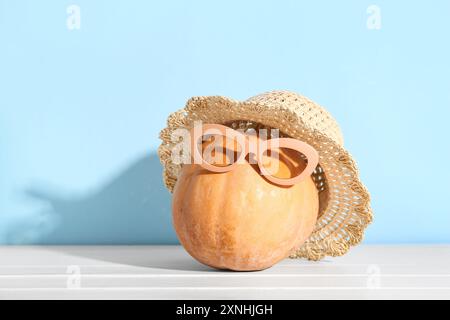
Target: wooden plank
column 158, row 272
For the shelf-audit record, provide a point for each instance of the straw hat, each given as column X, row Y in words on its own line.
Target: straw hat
column 344, row 210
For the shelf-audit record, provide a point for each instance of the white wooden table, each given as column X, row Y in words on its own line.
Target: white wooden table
column 168, row 272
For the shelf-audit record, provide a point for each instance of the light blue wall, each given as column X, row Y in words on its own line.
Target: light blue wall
column 80, row 110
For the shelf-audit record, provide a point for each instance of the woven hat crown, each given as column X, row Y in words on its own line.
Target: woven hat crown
column 310, row 114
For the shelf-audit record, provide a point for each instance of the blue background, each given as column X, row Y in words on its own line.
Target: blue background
column 80, row 110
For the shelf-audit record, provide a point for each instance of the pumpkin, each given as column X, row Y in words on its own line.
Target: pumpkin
column 240, row 221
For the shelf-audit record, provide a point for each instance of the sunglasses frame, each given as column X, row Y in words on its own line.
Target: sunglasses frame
column 307, row 150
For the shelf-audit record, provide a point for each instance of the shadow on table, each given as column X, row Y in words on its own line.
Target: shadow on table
column 136, row 256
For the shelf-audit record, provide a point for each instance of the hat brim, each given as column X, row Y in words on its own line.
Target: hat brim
column 345, row 203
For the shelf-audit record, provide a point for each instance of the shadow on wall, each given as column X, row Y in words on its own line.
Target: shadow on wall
column 134, row 208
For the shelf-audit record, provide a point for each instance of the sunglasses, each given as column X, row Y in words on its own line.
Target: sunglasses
column 218, row 148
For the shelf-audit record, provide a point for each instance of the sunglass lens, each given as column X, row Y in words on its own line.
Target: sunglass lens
column 283, row 163
column 219, row 150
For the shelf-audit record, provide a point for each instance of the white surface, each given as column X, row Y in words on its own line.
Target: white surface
column 168, row 272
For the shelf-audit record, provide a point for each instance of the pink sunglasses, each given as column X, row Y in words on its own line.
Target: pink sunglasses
column 245, row 144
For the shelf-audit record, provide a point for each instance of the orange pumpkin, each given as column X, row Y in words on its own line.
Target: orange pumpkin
column 238, row 220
